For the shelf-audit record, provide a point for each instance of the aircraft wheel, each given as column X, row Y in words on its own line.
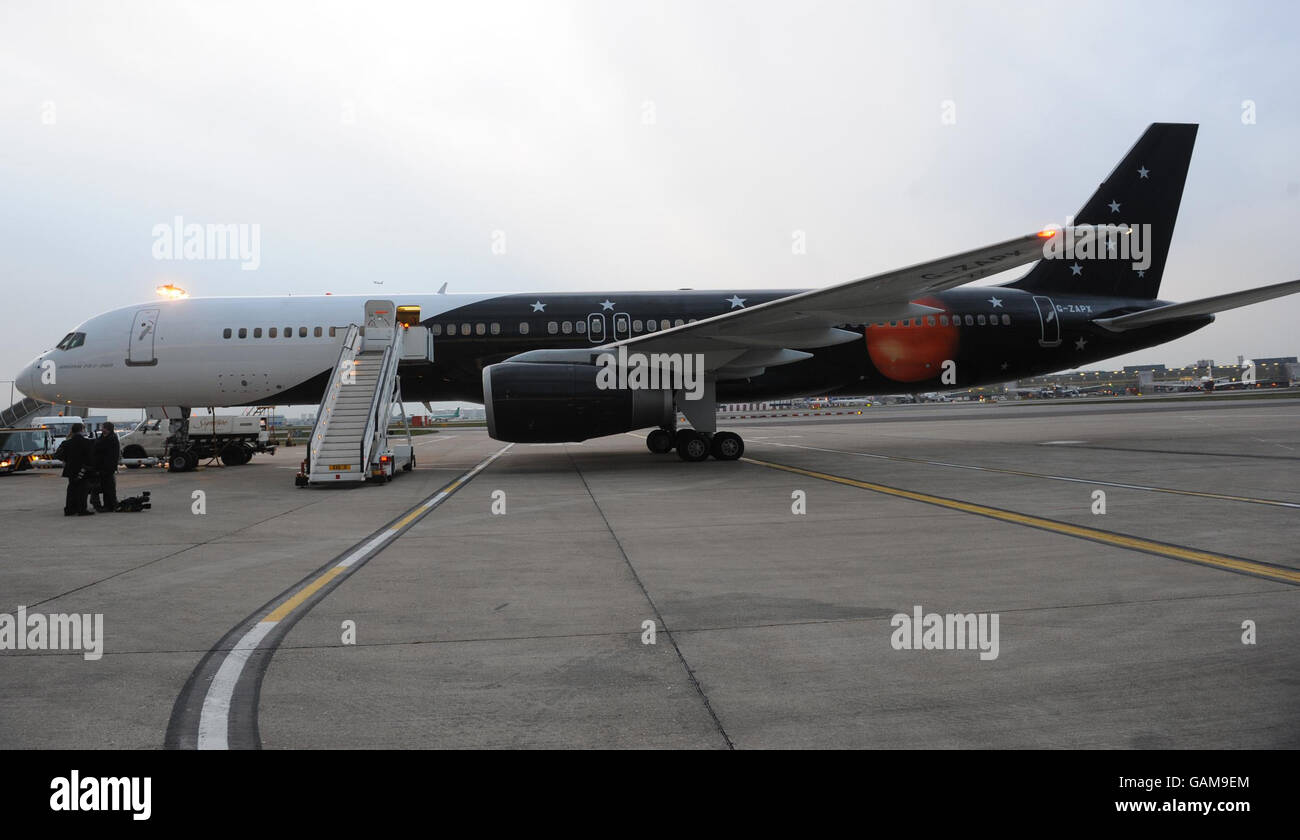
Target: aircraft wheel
column 233, row 455
column 181, row 461
column 692, row 446
column 660, row 442
column 134, row 451
column 727, row 446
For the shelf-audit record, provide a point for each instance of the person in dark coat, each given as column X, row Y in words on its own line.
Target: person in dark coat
column 108, row 452
column 77, row 454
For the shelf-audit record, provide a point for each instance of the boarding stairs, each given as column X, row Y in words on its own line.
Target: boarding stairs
column 21, row 411
column 356, row 437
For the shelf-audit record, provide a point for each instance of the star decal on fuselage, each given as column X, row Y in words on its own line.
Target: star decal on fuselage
column 1081, row 343
column 1076, row 270
column 539, row 307
column 606, row 305
column 736, row 301
column 996, row 301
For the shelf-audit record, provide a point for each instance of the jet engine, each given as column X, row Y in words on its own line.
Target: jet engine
column 561, row 402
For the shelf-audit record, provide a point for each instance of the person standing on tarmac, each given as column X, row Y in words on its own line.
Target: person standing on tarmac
column 108, row 452
column 77, row 454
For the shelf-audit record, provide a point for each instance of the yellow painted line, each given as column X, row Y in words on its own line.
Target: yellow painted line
column 1072, row 479
column 303, row 594
column 402, row 523
column 1277, row 573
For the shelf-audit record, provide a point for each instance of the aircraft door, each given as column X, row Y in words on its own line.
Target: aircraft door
column 140, row 350
column 1049, row 321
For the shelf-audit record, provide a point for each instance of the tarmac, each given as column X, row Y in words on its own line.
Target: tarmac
column 597, row 596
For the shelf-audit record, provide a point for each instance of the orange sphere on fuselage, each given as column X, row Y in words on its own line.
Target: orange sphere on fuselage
column 912, row 350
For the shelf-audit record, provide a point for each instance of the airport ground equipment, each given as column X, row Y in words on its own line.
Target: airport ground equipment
column 352, row 440
column 232, row 439
column 22, row 448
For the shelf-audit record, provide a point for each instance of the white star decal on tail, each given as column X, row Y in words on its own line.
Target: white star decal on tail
column 539, row 307
column 1080, row 344
column 1114, row 206
column 736, row 301
column 1143, row 172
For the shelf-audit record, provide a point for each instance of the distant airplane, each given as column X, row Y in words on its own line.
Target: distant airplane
column 532, row 359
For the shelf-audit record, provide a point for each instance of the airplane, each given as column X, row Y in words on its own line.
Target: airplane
column 534, row 359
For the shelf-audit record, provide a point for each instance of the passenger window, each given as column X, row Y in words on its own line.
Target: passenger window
column 580, row 327
column 288, row 332
column 663, row 325
column 333, row 331
column 566, row 327
column 436, row 329
column 929, row 319
column 650, row 326
column 552, row 327
column 318, row 332
column 302, row 332
column 224, row 334
column 943, row 320
column 523, row 328
column 275, row 332
column 480, row 329
column 243, row 332
column 636, row 325
column 495, row 328
column 257, row 332
column 465, row 329
column 678, row 322
column 970, row 322
column 1006, row 320
column 981, row 320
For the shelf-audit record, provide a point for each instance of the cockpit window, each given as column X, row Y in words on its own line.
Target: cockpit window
column 71, row 340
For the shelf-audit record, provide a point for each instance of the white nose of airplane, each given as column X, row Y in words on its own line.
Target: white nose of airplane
column 28, row 379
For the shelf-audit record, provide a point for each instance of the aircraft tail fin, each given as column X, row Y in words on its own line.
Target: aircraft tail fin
column 1141, row 194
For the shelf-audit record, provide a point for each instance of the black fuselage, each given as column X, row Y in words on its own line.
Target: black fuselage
column 990, row 334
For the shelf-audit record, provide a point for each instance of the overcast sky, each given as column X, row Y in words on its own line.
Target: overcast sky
column 620, row 145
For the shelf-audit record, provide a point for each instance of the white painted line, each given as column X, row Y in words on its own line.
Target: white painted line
column 214, row 720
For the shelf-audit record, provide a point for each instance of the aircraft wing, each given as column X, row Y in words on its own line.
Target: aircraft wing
column 1204, row 306
column 745, row 341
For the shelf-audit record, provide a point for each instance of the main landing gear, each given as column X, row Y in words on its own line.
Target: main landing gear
column 699, row 443
column 696, row 446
